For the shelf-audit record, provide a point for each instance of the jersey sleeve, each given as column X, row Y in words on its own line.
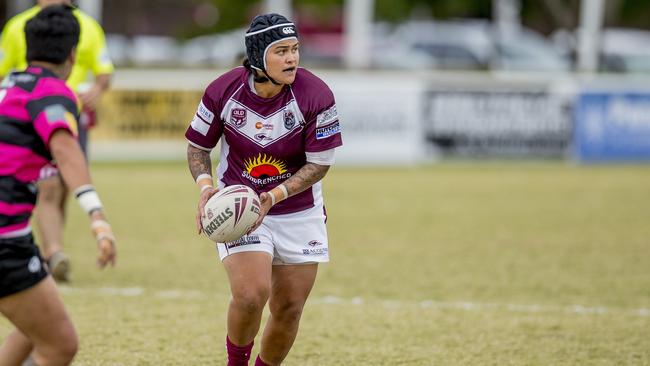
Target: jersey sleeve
column 8, row 49
column 101, row 61
column 206, row 128
column 53, row 112
column 322, row 129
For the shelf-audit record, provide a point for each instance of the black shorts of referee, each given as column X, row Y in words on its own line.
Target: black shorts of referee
column 21, row 264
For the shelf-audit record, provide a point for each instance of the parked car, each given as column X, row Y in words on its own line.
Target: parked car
column 465, row 45
column 625, row 50
column 221, row 50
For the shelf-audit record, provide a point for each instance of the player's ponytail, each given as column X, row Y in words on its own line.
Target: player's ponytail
column 247, row 64
column 256, row 76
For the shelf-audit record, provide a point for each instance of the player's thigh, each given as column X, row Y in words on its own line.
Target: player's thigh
column 248, row 271
column 38, row 313
column 292, row 284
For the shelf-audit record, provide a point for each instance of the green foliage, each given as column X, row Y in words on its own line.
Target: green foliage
column 438, row 9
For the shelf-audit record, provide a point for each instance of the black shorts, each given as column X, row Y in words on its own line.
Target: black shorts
column 21, row 265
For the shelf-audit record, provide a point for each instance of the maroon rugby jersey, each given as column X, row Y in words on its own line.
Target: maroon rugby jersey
column 33, row 104
column 265, row 139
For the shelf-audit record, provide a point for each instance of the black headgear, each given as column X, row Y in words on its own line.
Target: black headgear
column 266, row 30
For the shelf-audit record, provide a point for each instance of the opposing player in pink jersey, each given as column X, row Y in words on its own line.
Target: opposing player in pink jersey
column 38, row 124
column 278, row 128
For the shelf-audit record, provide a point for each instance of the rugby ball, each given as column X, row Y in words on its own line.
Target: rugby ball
column 230, row 213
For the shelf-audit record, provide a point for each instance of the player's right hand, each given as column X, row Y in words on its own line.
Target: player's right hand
column 203, row 198
column 105, row 242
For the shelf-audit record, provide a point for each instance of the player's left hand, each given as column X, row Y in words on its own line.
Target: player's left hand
column 265, row 206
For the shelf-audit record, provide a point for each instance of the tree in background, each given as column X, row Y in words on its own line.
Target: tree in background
column 191, row 18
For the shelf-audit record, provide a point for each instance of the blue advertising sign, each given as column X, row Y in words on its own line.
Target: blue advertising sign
column 612, row 127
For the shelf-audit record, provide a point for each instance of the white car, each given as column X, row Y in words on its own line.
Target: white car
column 465, row 45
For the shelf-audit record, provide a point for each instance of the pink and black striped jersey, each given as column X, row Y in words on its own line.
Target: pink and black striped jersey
column 33, row 104
column 264, row 141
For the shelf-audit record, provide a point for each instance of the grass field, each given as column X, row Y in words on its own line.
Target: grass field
column 452, row 264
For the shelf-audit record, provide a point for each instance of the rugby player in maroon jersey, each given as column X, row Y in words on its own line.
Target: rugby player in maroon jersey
column 278, row 127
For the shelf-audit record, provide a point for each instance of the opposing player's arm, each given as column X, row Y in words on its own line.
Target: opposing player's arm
column 72, row 165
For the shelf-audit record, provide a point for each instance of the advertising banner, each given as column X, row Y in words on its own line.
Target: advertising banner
column 380, row 121
column 489, row 123
column 612, row 126
column 146, row 114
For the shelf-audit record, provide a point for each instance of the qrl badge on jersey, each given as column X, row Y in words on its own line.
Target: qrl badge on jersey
column 238, row 117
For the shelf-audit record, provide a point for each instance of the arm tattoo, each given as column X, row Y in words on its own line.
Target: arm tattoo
column 199, row 161
column 304, row 178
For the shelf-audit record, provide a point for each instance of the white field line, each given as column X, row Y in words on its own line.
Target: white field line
column 359, row 301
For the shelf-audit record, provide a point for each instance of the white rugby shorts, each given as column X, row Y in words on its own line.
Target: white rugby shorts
column 295, row 238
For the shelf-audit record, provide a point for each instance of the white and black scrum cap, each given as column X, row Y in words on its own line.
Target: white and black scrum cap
column 265, row 30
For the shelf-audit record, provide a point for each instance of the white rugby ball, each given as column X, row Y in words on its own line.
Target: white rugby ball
column 230, row 213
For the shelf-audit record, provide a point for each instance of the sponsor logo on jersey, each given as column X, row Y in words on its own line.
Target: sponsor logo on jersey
column 262, row 137
column 327, row 116
column 263, row 169
column 23, row 78
column 314, row 243
column 327, row 131
column 205, row 113
column 315, row 251
column 289, row 120
column 267, row 126
column 238, row 117
column 244, row 240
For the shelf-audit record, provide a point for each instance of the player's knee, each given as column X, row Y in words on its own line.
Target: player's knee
column 62, row 351
column 251, row 301
column 287, row 311
column 51, row 191
column 69, row 350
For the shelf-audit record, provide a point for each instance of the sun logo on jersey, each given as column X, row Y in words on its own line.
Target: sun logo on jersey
column 264, row 166
column 262, row 170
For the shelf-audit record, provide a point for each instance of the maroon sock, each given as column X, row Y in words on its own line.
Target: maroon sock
column 238, row 355
column 259, row 362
